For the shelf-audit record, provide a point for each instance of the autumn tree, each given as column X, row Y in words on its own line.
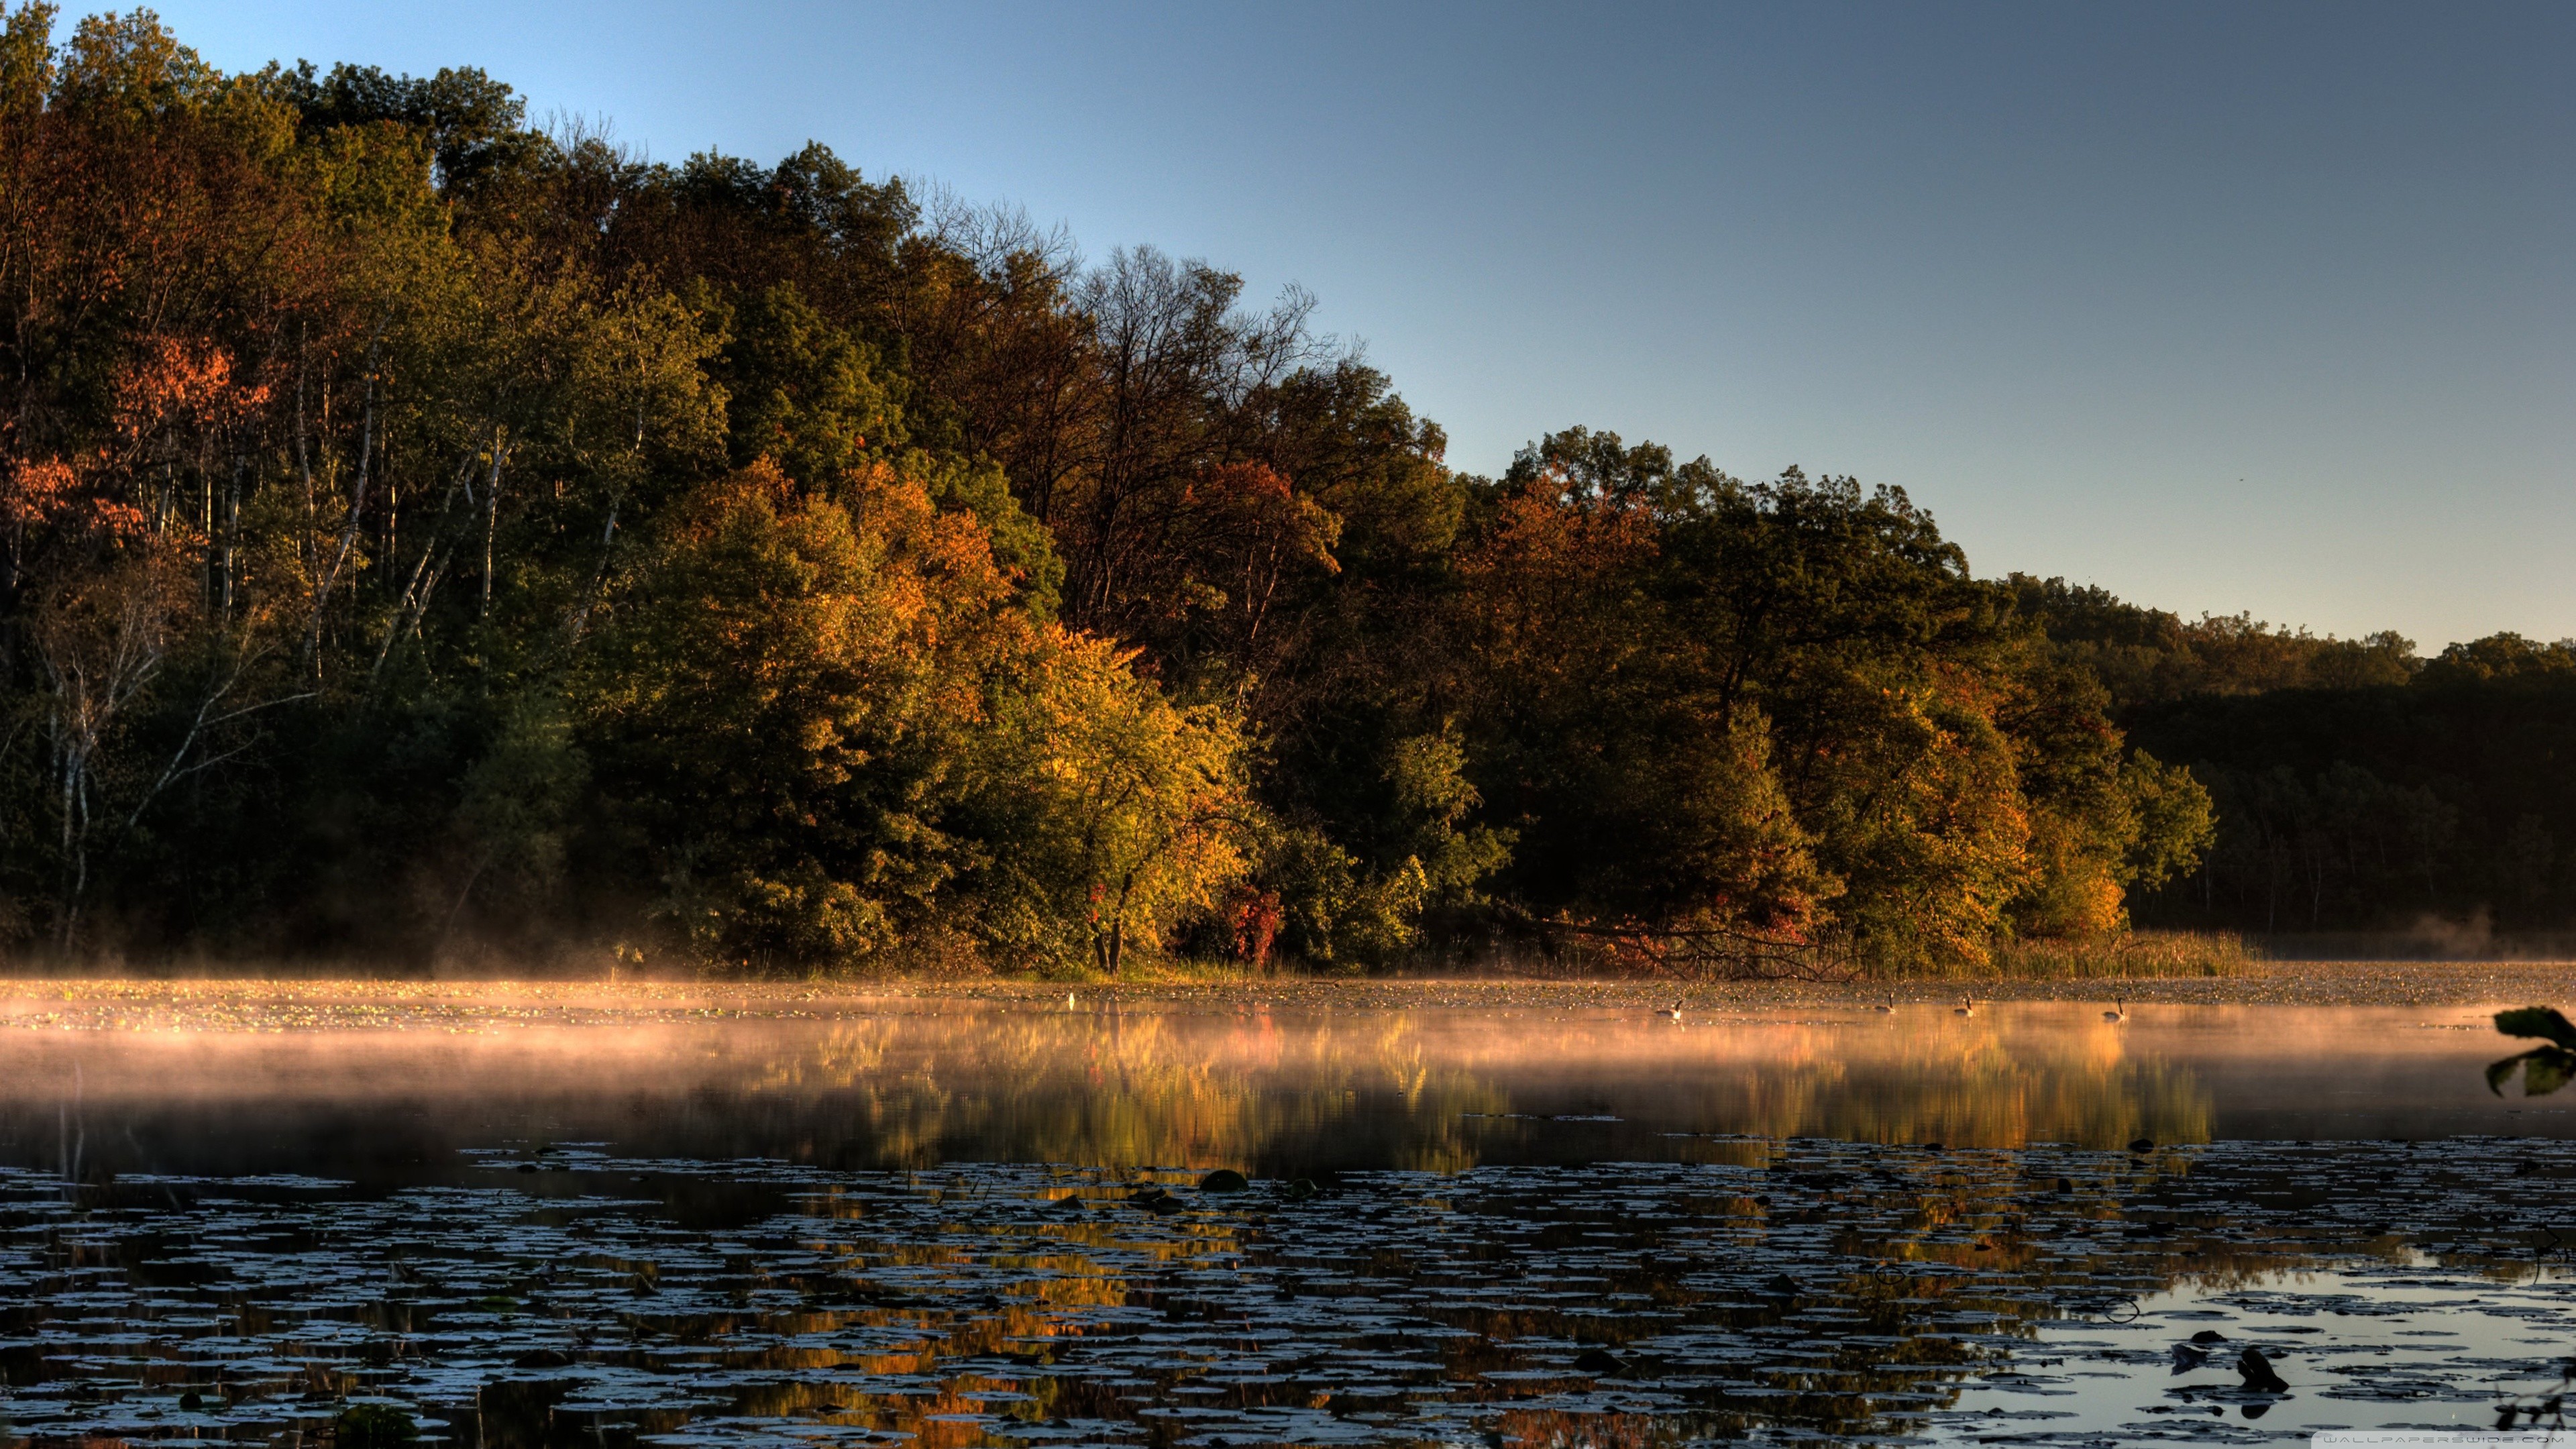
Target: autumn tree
column 423, row 532
column 783, row 699
column 1782, row 710
column 1111, row 813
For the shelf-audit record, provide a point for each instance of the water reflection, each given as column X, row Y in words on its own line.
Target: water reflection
column 840, row 1221
column 1855, row 1291
column 866, row 1084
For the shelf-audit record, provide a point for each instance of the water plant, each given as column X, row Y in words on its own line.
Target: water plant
column 1846, row 1291
column 2545, row 1068
column 373, row 1426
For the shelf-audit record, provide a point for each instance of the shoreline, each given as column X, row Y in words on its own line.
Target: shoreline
column 31, row 1001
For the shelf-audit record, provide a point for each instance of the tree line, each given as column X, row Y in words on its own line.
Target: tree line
column 426, row 534
column 2357, row 786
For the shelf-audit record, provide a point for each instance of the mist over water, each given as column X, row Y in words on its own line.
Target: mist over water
column 393, row 1092
column 551, row 1215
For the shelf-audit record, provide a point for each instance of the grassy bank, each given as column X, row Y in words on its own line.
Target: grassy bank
column 489, row 1004
column 2134, row 953
column 2134, row 956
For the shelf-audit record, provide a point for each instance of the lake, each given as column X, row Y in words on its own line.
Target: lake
column 555, row 1215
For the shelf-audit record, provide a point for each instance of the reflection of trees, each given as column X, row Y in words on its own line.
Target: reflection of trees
column 1270, row 1092
column 1958, row 1086
column 1126, row 1090
column 1947, row 1251
column 1843, row 1291
column 1184, row 1090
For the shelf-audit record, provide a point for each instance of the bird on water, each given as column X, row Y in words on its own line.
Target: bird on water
column 1967, row 1007
column 1672, row 1012
column 2119, row 1012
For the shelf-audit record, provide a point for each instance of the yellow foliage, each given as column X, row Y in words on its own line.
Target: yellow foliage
column 1117, row 812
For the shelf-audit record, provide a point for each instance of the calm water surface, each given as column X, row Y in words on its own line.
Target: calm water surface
column 978, row 1223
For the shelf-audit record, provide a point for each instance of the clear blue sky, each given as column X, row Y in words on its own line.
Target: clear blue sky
column 2228, row 306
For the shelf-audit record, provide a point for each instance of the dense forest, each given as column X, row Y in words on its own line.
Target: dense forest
column 2357, row 787
column 430, row 537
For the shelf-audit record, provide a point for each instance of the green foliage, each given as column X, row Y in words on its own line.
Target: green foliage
column 1426, row 777
column 1924, row 823
column 1785, row 712
column 2174, row 822
column 1419, row 853
column 2377, row 808
column 471, row 124
column 517, row 804
column 2500, row 656
column 1339, row 914
column 804, row 394
column 373, row 1426
column 421, row 534
column 782, row 696
column 2149, row 656
column 2351, row 785
column 26, row 58
column 1021, row 545
column 129, row 66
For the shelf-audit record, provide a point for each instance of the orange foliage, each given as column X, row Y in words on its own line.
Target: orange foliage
column 177, row 384
column 34, row 492
column 52, row 491
column 1255, row 917
column 1548, row 583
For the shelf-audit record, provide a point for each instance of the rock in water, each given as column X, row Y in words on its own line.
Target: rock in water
column 1224, row 1179
column 2259, row 1377
column 2143, row 1144
column 1598, row 1361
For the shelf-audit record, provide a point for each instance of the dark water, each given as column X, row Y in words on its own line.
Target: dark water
column 847, row 1222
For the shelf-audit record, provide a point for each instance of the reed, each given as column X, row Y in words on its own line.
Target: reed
column 2128, row 953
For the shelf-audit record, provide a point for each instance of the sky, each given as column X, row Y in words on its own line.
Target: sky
column 2223, row 307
